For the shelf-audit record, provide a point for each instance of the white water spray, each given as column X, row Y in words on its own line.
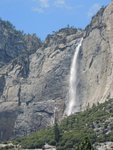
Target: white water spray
column 73, row 82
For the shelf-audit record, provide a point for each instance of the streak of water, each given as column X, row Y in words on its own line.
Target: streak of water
column 73, row 82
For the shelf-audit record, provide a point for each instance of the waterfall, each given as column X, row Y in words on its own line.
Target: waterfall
column 73, row 83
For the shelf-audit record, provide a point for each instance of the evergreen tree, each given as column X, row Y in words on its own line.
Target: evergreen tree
column 56, row 132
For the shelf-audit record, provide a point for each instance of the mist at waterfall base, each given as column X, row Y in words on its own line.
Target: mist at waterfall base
column 72, row 104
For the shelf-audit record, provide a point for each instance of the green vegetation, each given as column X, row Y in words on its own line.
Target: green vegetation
column 85, row 145
column 78, row 131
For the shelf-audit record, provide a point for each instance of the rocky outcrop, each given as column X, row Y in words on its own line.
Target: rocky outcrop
column 104, row 146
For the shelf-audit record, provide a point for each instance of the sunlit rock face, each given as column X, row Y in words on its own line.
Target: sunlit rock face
column 96, row 60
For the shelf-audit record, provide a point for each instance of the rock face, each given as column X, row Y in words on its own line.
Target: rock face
column 34, row 77
column 34, row 84
column 96, row 60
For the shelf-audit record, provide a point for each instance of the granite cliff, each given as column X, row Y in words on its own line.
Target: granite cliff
column 96, row 60
column 34, row 76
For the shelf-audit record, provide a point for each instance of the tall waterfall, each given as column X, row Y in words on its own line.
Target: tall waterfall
column 73, row 82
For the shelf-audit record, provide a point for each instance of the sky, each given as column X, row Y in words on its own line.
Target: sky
column 45, row 16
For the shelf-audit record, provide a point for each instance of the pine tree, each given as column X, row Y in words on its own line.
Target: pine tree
column 56, row 132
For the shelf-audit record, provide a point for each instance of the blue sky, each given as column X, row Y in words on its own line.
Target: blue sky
column 45, row 16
